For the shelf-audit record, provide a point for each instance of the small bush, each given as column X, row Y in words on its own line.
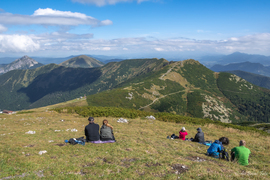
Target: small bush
column 25, row 112
column 161, row 116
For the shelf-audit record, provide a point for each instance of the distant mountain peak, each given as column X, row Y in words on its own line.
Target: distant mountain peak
column 24, row 62
column 82, row 61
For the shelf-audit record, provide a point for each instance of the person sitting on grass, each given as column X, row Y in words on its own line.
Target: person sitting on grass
column 91, row 130
column 183, row 133
column 240, row 153
column 106, row 131
column 199, row 137
column 217, row 149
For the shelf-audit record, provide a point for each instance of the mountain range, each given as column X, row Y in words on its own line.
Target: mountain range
column 235, row 57
column 50, row 84
column 58, row 60
column 255, row 68
column 29, row 63
column 184, row 87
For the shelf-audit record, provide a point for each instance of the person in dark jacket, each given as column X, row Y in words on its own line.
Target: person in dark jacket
column 199, row 137
column 106, row 131
column 91, row 130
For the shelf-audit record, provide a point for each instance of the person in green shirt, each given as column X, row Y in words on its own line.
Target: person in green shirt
column 240, row 153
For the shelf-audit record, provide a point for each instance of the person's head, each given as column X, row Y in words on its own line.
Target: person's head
column 199, row 129
column 242, row 143
column 91, row 120
column 105, row 122
column 224, row 140
column 183, row 129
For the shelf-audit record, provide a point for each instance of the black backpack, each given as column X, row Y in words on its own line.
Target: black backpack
column 74, row 141
column 224, row 155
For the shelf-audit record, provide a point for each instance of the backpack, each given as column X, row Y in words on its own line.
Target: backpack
column 224, row 155
column 106, row 132
column 72, row 141
column 79, row 140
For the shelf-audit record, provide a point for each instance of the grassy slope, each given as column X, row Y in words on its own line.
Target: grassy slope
column 141, row 151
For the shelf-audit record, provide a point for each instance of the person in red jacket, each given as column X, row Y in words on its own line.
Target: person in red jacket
column 183, row 133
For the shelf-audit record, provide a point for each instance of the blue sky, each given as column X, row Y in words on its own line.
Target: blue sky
column 134, row 28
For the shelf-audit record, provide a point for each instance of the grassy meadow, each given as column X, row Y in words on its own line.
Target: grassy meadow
column 142, row 150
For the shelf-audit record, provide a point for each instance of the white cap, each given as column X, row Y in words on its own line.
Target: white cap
column 183, row 128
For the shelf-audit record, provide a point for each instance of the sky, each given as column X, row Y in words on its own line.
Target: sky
column 134, row 28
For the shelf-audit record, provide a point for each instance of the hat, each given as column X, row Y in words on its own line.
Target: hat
column 90, row 119
column 183, row 129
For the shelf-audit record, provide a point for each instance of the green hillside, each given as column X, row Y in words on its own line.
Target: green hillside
column 51, row 84
column 251, row 101
column 82, row 61
column 259, row 80
column 184, row 88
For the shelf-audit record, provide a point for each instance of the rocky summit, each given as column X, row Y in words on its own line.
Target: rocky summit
column 24, row 62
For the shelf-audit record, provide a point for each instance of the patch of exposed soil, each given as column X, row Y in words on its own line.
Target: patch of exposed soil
column 195, row 158
column 126, row 162
column 30, row 145
column 88, row 165
column 152, row 164
column 129, row 160
column 179, row 168
column 106, row 160
column 60, row 144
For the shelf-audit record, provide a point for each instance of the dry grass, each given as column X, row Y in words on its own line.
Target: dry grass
column 142, row 150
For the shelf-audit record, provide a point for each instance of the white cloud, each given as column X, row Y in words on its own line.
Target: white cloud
column 258, row 43
column 73, row 43
column 106, row 2
column 159, row 49
column 106, row 48
column 52, row 17
column 51, row 12
column 234, row 39
column 17, row 43
column 106, row 22
column 2, row 28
